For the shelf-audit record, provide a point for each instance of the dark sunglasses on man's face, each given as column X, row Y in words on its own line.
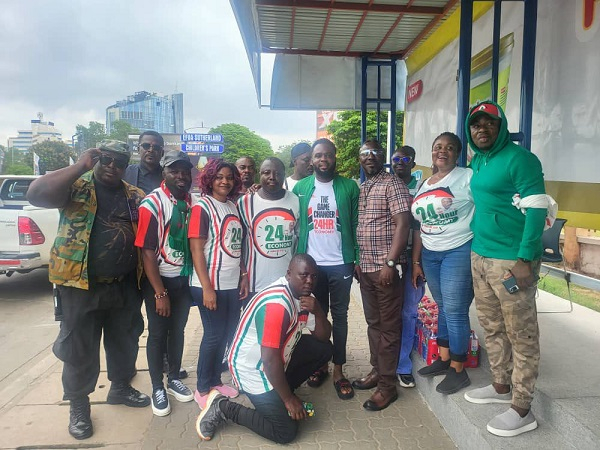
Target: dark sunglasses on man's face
column 403, row 159
column 146, row 146
column 105, row 160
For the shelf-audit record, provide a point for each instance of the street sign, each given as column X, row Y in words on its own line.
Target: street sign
column 201, row 137
column 202, row 148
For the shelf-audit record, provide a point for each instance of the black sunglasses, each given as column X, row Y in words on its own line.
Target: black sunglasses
column 146, row 146
column 105, row 160
column 403, row 159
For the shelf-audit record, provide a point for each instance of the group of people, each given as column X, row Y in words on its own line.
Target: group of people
column 265, row 261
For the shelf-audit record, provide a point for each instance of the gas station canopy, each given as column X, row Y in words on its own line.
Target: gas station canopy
column 350, row 28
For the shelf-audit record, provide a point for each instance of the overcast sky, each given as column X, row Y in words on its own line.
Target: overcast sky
column 70, row 59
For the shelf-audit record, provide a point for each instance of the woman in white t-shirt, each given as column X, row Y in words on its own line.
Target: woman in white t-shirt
column 444, row 207
column 219, row 280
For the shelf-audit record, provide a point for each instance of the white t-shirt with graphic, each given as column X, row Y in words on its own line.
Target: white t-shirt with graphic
column 324, row 228
column 270, row 236
column 218, row 223
column 445, row 210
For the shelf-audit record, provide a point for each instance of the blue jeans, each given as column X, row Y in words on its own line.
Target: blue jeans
column 219, row 326
column 332, row 290
column 412, row 297
column 450, row 281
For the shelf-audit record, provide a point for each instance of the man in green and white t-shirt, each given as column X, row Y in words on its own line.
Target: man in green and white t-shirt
column 270, row 357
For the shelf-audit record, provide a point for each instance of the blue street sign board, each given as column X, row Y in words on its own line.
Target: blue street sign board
column 201, row 137
column 203, row 148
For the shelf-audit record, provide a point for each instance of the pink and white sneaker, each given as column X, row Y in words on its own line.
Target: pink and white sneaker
column 225, row 390
column 201, row 399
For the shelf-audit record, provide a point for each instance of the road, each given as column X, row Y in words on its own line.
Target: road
column 27, row 330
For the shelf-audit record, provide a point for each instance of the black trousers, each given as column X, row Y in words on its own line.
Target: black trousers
column 166, row 334
column 270, row 417
column 105, row 308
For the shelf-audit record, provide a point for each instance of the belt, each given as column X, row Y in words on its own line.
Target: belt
column 109, row 280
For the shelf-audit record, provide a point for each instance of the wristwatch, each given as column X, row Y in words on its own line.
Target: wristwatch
column 390, row 263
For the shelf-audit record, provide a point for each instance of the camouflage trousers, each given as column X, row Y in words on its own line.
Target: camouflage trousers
column 510, row 325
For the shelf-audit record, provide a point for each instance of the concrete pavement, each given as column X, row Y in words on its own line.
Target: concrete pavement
column 32, row 414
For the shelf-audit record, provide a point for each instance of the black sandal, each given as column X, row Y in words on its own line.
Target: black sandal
column 317, row 378
column 343, row 384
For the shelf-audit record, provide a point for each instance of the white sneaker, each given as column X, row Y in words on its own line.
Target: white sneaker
column 510, row 423
column 180, row 391
column 487, row 394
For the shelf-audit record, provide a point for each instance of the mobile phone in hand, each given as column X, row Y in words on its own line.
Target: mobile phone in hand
column 511, row 284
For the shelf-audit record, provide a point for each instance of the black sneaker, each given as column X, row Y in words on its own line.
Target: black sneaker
column 180, row 391
column 211, row 416
column 80, row 422
column 453, row 382
column 406, row 380
column 438, row 367
column 125, row 394
column 160, row 402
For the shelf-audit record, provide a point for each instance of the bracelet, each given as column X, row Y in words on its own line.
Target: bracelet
column 243, row 274
column 163, row 294
column 417, row 263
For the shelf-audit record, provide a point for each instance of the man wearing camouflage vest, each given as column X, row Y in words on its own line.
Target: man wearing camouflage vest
column 96, row 269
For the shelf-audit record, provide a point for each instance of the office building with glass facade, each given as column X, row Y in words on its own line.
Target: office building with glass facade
column 148, row 111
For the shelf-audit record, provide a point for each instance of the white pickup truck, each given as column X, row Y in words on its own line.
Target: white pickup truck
column 26, row 232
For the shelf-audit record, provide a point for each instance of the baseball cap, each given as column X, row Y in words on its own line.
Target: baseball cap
column 112, row 145
column 485, row 108
column 173, row 156
column 299, row 149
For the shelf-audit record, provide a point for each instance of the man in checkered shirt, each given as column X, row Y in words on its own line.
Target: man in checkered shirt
column 382, row 234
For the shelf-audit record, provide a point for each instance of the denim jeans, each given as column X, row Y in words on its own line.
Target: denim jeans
column 219, row 326
column 333, row 293
column 412, row 297
column 166, row 333
column 270, row 418
column 450, row 281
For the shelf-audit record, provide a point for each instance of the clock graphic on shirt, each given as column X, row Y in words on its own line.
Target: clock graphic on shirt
column 231, row 236
column 273, row 232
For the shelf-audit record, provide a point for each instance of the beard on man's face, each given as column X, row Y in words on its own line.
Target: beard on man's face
column 326, row 173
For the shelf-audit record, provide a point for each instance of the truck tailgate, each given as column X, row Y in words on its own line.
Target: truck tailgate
column 9, row 230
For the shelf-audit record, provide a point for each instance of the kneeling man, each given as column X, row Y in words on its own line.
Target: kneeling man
column 270, row 357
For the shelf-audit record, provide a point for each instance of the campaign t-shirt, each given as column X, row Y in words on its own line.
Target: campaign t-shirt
column 220, row 225
column 154, row 224
column 272, row 319
column 270, row 236
column 324, row 227
column 445, row 210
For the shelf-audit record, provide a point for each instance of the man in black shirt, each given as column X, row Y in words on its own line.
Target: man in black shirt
column 147, row 175
column 96, row 269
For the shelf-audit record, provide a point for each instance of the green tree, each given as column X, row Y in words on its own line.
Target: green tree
column 17, row 162
column 91, row 135
column 241, row 141
column 284, row 153
column 17, row 169
column 53, row 155
column 345, row 133
column 120, row 130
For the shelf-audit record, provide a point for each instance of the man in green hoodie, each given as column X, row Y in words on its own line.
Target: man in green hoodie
column 506, row 243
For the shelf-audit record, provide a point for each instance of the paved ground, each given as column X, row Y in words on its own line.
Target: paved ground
column 32, row 414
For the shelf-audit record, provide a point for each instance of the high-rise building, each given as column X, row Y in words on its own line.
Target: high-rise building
column 148, row 111
column 40, row 131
